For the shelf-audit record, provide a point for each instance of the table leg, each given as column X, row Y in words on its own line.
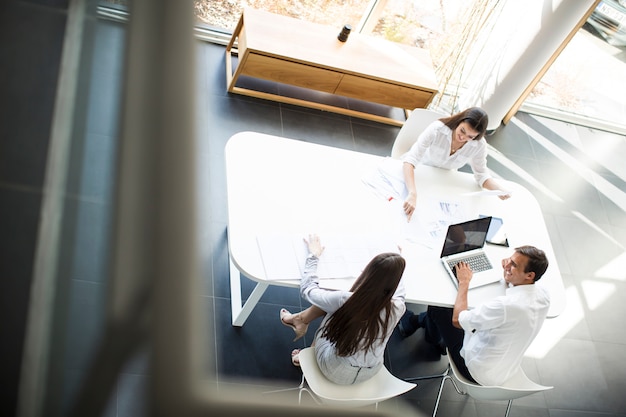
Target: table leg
column 230, row 80
column 240, row 313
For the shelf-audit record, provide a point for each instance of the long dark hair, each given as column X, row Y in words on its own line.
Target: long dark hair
column 358, row 322
column 475, row 116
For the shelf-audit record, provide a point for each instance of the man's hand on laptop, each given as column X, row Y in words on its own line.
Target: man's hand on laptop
column 463, row 273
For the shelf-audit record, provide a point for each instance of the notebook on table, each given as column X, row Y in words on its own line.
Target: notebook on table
column 465, row 242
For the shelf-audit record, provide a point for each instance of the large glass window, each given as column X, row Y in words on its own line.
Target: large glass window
column 224, row 14
column 585, row 82
column 436, row 25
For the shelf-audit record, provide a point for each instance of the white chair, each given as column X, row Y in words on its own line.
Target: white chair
column 411, row 129
column 519, row 385
column 380, row 387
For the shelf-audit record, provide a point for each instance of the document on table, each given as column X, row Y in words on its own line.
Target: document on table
column 387, row 180
column 344, row 256
column 429, row 223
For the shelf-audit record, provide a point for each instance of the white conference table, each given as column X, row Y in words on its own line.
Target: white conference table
column 277, row 185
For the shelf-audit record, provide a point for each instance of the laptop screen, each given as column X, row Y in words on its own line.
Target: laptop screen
column 466, row 236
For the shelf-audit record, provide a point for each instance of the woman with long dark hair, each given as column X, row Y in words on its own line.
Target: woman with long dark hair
column 351, row 340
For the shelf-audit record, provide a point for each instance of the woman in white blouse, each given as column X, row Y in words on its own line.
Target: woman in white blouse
column 450, row 143
column 351, row 340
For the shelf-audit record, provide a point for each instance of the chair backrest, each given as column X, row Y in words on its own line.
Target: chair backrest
column 380, row 387
column 516, row 387
column 411, row 129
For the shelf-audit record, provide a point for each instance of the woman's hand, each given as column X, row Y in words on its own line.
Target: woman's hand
column 493, row 185
column 409, row 206
column 315, row 245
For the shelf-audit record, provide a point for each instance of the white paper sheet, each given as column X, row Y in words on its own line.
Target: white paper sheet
column 344, row 256
column 387, row 180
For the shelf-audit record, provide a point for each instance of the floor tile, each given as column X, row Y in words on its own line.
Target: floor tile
column 512, row 139
column 587, row 248
column 612, row 358
column 317, row 127
column 230, row 115
column 374, row 139
column 574, row 369
column 85, row 323
column 132, row 395
column 607, row 149
column 606, row 309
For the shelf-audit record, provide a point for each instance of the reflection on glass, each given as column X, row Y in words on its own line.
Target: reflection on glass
column 117, row 4
column 586, row 79
column 225, row 14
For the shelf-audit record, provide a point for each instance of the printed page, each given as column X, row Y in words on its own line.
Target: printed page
column 387, row 180
column 344, row 256
column 430, row 222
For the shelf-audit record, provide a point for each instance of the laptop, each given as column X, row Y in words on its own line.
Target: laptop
column 465, row 242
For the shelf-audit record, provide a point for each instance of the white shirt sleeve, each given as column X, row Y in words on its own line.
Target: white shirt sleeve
column 478, row 162
column 487, row 316
column 327, row 300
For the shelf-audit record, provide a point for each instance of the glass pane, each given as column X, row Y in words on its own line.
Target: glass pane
column 224, row 14
column 116, row 4
column 435, row 25
column 416, row 23
column 587, row 79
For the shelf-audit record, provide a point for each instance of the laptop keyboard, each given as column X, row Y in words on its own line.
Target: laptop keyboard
column 478, row 263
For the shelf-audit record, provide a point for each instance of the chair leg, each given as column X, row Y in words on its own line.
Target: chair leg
column 508, row 408
column 313, row 396
column 421, row 378
column 456, row 387
column 299, row 387
column 444, row 376
column 443, row 381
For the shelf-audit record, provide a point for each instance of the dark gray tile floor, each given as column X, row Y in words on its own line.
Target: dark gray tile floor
column 578, row 176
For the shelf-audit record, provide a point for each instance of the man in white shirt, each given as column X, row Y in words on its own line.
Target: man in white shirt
column 487, row 343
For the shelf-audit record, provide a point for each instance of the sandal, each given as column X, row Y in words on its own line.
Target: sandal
column 295, row 358
column 299, row 329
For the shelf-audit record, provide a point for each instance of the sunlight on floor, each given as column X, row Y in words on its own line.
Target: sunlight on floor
column 596, row 292
column 614, row 269
column 522, row 173
column 592, row 293
column 605, row 187
column 591, row 224
column 554, row 329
